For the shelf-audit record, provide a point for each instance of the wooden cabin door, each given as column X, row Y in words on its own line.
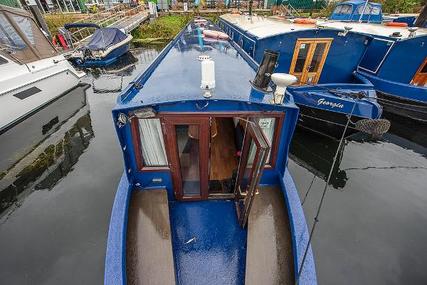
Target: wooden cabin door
column 420, row 78
column 308, row 59
column 254, row 155
column 187, row 144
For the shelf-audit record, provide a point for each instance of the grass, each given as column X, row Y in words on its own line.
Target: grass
column 55, row 21
column 161, row 30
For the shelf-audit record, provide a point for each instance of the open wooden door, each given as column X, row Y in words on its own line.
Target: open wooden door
column 254, row 155
column 308, row 59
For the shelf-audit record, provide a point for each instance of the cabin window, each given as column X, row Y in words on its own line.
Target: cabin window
column 152, row 143
column 370, row 10
column 34, row 36
column 375, row 10
column 8, row 35
column 343, row 10
column 420, row 77
column 302, row 56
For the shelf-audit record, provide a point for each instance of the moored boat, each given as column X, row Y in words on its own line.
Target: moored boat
column 324, row 60
column 32, row 72
column 104, row 47
column 206, row 196
column 395, row 57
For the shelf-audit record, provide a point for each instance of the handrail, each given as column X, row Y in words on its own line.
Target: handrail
column 117, row 14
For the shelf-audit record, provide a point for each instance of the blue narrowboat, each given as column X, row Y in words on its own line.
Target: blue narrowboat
column 206, row 196
column 323, row 59
column 105, row 46
column 395, row 62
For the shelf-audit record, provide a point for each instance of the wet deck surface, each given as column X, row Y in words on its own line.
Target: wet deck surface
column 269, row 252
column 208, row 243
column 149, row 257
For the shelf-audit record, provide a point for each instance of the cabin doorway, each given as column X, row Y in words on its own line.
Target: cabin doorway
column 308, row 59
column 217, row 157
column 420, row 78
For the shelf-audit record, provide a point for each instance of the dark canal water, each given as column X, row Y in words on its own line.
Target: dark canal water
column 56, row 200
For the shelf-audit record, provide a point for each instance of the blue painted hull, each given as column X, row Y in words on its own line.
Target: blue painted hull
column 401, row 99
column 105, row 61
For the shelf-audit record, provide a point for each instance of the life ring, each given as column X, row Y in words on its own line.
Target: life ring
column 215, row 34
column 304, row 21
column 396, row 24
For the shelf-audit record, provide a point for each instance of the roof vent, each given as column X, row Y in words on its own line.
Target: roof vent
column 282, row 80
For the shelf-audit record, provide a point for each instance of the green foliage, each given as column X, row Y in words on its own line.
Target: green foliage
column 55, row 21
column 401, row 6
column 162, row 29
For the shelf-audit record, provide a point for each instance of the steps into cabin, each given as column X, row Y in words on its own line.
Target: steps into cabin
column 149, row 257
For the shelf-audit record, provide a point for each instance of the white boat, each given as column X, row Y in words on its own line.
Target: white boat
column 32, row 72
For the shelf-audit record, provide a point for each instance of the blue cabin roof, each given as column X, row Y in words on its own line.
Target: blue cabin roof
column 175, row 75
column 352, row 10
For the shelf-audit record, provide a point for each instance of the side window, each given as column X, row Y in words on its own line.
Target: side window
column 152, row 143
column 346, row 9
column 375, row 10
column 337, row 10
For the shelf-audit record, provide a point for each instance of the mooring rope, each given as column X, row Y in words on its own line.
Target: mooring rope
column 308, row 190
column 319, row 207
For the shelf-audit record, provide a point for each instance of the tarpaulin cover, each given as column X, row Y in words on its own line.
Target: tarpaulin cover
column 105, row 37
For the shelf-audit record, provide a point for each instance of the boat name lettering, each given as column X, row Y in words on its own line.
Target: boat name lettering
column 322, row 101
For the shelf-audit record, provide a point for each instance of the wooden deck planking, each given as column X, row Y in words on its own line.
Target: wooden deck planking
column 269, row 246
column 149, row 257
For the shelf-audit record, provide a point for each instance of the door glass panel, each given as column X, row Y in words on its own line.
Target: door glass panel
column 317, row 57
column 268, row 125
column 188, row 152
column 244, row 183
column 302, row 56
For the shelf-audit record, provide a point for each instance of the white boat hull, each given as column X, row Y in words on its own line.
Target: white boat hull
column 23, row 92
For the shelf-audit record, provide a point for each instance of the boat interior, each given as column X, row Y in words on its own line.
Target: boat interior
column 220, row 225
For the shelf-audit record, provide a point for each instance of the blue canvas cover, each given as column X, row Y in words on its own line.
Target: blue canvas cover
column 104, row 38
column 352, row 10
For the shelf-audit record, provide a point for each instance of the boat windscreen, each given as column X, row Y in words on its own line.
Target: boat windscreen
column 22, row 39
column 105, row 37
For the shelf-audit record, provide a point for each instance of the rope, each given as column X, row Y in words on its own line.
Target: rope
column 316, row 218
column 308, row 190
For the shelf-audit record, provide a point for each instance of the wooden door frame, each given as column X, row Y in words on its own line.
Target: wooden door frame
column 313, row 43
column 173, row 155
column 244, row 158
column 168, row 119
column 418, row 75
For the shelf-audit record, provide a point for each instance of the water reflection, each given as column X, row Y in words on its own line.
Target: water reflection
column 41, row 150
column 316, row 153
